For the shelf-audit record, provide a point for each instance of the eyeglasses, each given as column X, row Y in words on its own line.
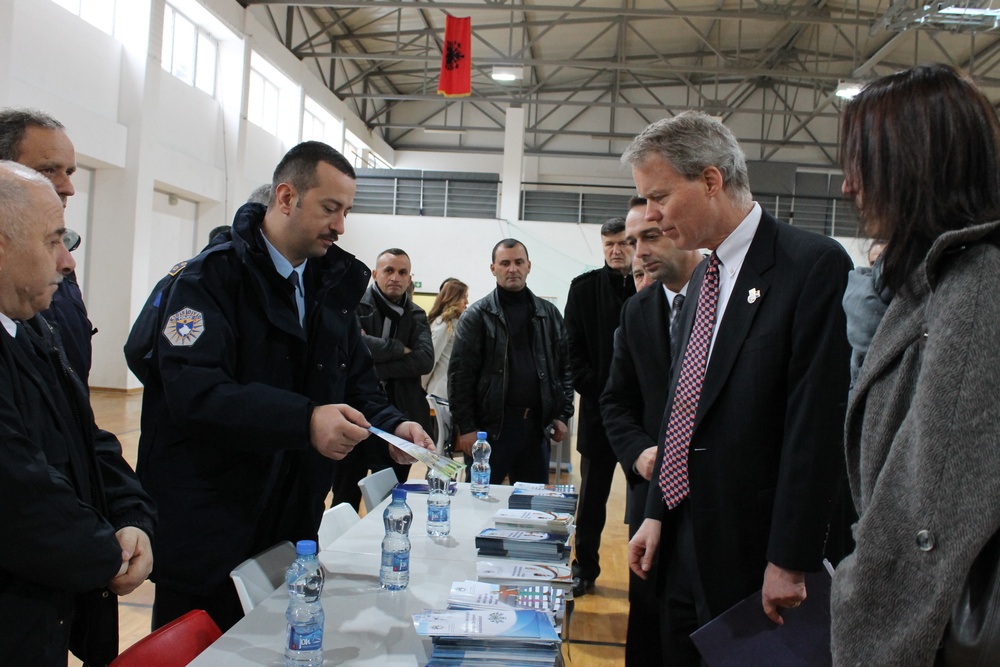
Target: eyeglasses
column 71, row 240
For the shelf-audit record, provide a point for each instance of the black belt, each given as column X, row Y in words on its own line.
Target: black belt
column 522, row 413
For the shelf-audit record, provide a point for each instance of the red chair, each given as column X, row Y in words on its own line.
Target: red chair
column 174, row 645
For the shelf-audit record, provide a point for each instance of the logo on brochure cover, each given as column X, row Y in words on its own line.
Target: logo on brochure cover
column 184, row 327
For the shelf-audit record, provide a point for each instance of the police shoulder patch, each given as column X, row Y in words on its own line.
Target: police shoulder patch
column 177, row 268
column 184, row 327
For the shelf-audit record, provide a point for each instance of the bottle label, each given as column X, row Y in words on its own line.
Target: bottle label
column 398, row 562
column 311, row 640
column 437, row 514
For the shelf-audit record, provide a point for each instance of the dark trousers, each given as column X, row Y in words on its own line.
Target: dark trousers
column 642, row 644
column 520, row 452
column 683, row 608
column 597, row 472
column 222, row 604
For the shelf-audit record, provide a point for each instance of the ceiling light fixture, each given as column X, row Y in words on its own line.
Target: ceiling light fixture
column 507, row 73
column 848, row 89
column 443, row 130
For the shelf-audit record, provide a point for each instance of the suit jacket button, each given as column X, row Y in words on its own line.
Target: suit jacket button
column 925, row 540
column 343, row 367
column 319, row 367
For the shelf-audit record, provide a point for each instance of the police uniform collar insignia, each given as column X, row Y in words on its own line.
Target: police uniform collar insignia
column 184, row 327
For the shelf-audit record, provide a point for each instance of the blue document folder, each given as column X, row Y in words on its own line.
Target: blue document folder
column 744, row 637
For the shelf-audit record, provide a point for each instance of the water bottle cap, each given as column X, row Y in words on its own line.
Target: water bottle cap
column 399, row 494
column 481, row 435
column 305, row 547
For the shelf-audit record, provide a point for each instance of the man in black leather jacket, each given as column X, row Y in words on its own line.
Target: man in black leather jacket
column 509, row 373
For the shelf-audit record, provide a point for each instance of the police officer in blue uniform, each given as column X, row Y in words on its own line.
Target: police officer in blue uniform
column 257, row 383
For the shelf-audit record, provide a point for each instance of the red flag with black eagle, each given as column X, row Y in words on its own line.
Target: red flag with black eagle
column 456, row 58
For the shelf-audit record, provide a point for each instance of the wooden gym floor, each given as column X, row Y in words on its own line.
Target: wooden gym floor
column 597, row 631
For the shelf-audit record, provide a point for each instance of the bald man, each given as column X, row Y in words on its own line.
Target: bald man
column 81, row 520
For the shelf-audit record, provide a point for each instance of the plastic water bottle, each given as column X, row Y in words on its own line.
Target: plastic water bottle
column 304, row 636
column 481, row 466
column 438, row 504
column 395, row 572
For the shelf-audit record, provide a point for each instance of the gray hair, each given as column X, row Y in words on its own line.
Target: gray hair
column 261, row 195
column 15, row 122
column 613, row 226
column 15, row 198
column 691, row 142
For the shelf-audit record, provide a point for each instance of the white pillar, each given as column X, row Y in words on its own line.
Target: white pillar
column 513, row 165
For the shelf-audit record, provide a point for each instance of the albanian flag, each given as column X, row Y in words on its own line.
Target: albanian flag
column 456, row 58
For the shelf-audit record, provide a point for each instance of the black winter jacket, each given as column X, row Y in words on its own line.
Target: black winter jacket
column 477, row 374
column 593, row 309
column 66, row 490
column 400, row 372
column 233, row 380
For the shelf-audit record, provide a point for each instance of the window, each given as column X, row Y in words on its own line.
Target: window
column 354, row 150
column 262, row 105
column 320, row 125
column 98, row 13
column 273, row 101
column 189, row 52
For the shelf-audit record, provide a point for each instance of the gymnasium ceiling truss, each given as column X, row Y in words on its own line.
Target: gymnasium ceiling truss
column 595, row 72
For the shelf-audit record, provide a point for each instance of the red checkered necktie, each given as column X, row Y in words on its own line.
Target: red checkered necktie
column 674, row 470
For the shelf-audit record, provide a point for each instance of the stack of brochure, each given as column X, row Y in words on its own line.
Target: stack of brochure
column 490, row 637
column 523, row 544
column 544, row 497
column 481, row 595
column 557, row 523
column 524, row 573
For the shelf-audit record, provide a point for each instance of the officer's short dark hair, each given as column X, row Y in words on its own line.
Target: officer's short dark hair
column 613, row 226
column 508, row 243
column 636, row 201
column 15, row 122
column 298, row 167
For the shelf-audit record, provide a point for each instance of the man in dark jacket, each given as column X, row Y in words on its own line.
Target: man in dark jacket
column 509, row 373
column 636, row 394
column 77, row 525
column 258, row 380
column 593, row 307
column 399, row 338
column 39, row 141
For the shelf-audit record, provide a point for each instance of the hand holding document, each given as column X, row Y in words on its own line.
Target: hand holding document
column 744, row 637
column 445, row 466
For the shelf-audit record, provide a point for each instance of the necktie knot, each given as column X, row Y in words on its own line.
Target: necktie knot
column 678, row 304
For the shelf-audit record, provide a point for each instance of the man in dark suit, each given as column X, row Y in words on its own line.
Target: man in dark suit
column 754, row 417
column 593, row 308
column 636, row 393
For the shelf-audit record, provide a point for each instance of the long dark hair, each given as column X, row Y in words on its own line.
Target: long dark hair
column 922, row 150
column 448, row 303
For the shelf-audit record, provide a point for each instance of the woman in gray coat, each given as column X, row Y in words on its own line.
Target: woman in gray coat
column 921, row 157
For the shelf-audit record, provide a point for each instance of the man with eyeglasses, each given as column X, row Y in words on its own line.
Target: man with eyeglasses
column 39, row 141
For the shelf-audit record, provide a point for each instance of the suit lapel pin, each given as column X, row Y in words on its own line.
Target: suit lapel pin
column 753, row 295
